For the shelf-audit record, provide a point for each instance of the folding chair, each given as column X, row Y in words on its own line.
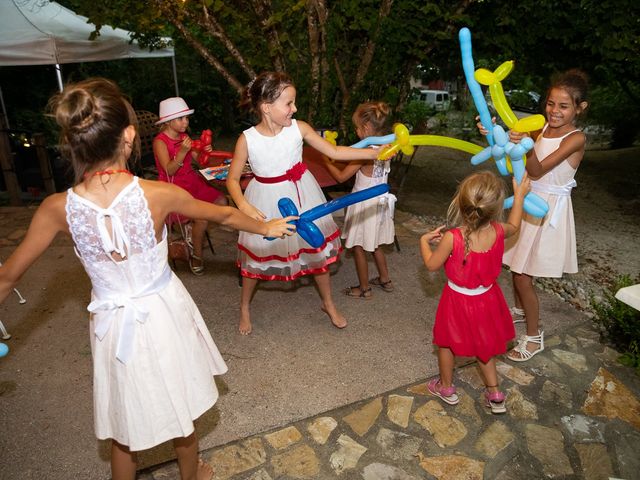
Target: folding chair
column 147, row 130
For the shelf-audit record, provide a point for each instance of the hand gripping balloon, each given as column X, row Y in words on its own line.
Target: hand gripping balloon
column 533, row 204
column 204, row 156
column 308, row 230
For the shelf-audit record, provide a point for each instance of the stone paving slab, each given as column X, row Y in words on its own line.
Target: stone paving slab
column 569, row 415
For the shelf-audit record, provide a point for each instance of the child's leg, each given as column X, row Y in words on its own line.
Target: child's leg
column 248, row 287
column 191, row 467
column 530, row 303
column 197, row 237
column 362, row 269
column 523, row 285
column 489, row 374
column 381, row 265
column 446, row 362
column 324, row 287
column 123, row 462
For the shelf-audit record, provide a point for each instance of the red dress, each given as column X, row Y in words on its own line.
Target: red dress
column 185, row 177
column 474, row 325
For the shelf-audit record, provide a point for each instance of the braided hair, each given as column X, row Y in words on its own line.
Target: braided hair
column 477, row 202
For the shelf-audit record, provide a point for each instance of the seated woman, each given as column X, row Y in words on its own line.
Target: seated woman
column 173, row 155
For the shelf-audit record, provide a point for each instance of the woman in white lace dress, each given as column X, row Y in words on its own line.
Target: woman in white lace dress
column 154, row 359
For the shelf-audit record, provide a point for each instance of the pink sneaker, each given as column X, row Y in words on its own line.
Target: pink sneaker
column 495, row 401
column 446, row 394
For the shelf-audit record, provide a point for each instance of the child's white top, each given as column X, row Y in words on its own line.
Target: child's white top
column 546, row 247
column 153, row 356
column 273, row 156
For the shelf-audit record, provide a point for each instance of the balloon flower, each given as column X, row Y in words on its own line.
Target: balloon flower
column 308, row 230
column 204, row 156
column 508, row 156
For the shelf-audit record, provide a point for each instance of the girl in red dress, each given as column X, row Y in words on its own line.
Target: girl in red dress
column 173, row 155
column 473, row 319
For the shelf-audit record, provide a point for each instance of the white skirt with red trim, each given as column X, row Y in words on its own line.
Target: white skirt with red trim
column 290, row 257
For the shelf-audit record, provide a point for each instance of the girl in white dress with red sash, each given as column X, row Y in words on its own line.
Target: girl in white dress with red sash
column 273, row 148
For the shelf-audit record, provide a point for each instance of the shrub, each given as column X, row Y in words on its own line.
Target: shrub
column 619, row 323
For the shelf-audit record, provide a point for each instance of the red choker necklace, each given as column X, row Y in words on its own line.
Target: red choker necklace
column 106, row 172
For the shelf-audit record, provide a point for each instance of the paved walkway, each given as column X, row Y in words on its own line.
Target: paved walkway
column 572, row 413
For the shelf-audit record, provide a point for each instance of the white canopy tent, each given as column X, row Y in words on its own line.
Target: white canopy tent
column 43, row 32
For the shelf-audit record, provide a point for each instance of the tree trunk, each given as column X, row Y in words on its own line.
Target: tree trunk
column 263, row 11
column 314, row 53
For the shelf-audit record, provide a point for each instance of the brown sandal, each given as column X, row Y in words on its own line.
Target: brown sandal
column 364, row 294
column 386, row 286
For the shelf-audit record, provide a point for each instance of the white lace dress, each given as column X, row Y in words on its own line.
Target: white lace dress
column 370, row 223
column 153, row 356
column 290, row 257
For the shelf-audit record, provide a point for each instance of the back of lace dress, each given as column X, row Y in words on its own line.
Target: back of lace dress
column 126, row 227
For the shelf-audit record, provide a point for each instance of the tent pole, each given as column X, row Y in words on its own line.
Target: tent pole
column 59, row 75
column 4, row 110
column 175, row 74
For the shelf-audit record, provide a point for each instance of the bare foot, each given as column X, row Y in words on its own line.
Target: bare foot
column 336, row 317
column 245, row 326
column 205, row 471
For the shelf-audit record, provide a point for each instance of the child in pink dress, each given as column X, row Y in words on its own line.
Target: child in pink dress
column 274, row 149
column 473, row 319
column 172, row 151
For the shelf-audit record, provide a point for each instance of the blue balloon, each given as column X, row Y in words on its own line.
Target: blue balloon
column 4, row 349
column 308, row 230
column 474, row 87
column 367, row 142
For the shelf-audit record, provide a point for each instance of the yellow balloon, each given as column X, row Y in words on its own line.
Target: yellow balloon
column 531, row 123
column 439, row 141
column 501, row 104
column 503, row 70
column 485, row 77
column 330, row 136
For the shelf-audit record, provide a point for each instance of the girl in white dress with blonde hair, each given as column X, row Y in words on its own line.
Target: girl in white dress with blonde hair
column 368, row 225
column 154, row 360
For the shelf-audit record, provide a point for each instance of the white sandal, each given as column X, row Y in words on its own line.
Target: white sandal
column 521, row 349
column 517, row 314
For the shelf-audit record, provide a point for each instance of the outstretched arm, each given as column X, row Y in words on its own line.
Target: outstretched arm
column 515, row 215
column 49, row 219
column 342, row 174
column 240, row 158
column 165, row 198
column 570, row 145
column 338, row 152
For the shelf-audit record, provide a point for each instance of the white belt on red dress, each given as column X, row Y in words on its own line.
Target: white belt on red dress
column 561, row 191
column 110, row 302
column 468, row 291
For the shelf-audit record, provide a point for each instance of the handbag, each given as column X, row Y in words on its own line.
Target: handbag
column 180, row 247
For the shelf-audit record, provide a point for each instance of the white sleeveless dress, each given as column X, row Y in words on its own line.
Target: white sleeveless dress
column 370, row 223
column 153, row 356
column 546, row 247
column 290, row 257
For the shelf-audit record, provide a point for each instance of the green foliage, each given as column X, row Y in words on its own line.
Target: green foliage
column 415, row 115
column 620, row 323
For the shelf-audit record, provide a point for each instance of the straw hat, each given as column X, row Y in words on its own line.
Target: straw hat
column 174, row 107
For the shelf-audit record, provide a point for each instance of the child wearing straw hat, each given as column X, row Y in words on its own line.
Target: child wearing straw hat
column 173, row 155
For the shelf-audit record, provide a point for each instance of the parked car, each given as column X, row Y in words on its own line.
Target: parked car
column 439, row 100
